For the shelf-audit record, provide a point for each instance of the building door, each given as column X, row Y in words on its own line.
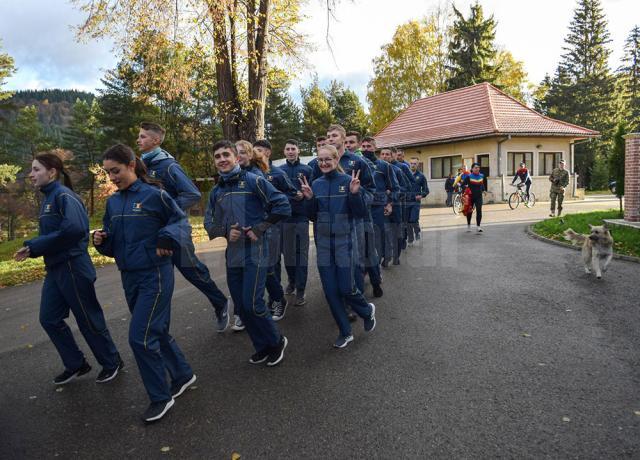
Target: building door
column 484, row 164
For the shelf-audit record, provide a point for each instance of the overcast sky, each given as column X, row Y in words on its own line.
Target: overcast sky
column 38, row 34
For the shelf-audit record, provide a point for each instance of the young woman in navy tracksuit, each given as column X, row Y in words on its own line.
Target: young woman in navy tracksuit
column 334, row 201
column 241, row 208
column 142, row 226
column 69, row 284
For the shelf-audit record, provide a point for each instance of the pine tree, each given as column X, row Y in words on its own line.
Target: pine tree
column 316, row 112
column 582, row 88
column 629, row 74
column 283, row 118
column 84, row 137
column 346, row 108
column 472, row 52
column 617, row 159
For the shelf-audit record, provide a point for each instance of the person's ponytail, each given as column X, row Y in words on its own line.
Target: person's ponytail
column 51, row 160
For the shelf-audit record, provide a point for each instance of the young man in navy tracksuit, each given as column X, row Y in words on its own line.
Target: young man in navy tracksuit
column 419, row 191
column 142, row 227
column 69, row 284
column 334, row 202
column 370, row 258
column 395, row 218
column 349, row 162
column 164, row 168
column 398, row 160
column 387, row 190
column 276, row 176
column 242, row 207
column 295, row 230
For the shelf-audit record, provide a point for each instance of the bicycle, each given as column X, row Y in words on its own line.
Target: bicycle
column 456, row 201
column 516, row 197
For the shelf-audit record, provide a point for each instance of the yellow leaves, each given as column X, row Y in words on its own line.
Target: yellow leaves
column 165, row 449
column 637, row 412
column 526, row 334
column 235, row 456
column 566, row 419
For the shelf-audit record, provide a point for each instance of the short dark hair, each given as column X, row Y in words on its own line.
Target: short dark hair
column 225, row 144
column 263, row 143
column 473, row 165
column 292, row 142
column 321, row 138
column 393, row 149
column 354, row 133
column 369, row 139
column 155, row 127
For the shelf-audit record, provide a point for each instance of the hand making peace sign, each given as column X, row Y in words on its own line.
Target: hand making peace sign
column 354, row 186
column 305, row 188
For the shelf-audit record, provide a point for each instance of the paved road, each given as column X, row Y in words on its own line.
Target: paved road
column 487, row 345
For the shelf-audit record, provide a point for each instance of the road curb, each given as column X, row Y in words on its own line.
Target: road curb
column 529, row 231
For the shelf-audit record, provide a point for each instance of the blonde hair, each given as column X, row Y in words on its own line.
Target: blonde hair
column 334, row 153
column 255, row 158
column 339, row 128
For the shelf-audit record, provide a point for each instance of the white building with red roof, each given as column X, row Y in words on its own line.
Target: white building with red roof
column 482, row 124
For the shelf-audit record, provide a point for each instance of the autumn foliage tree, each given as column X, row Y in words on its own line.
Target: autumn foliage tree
column 238, row 37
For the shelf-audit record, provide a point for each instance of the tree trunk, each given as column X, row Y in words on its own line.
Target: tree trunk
column 257, row 47
column 11, row 228
column 229, row 107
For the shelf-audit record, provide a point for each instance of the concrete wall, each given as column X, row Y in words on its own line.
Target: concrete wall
column 499, row 187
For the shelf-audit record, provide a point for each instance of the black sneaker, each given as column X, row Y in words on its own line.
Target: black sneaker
column 107, row 375
column 291, row 288
column 370, row 322
column 279, row 309
column 259, row 357
column 396, row 261
column 180, row 387
column 222, row 318
column 385, row 263
column 377, row 290
column 157, row 410
column 300, row 299
column 277, row 353
column 67, row 376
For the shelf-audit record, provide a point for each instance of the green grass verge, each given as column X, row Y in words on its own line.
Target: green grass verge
column 626, row 240
column 13, row 273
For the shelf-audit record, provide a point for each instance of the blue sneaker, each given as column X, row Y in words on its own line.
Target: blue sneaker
column 370, row 322
column 222, row 318
column 342, row 342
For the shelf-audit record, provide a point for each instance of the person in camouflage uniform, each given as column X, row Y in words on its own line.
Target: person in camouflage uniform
column 559, row 179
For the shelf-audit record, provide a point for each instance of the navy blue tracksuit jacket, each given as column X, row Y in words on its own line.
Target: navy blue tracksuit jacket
column 248, row 201
column 137, row 221
column 334, row 210
column 69, row 283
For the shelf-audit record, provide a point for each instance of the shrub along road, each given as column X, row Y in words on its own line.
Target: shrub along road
column 487, row 344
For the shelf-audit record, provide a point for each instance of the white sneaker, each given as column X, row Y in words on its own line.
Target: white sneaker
column 480, row 229
column 238, row 325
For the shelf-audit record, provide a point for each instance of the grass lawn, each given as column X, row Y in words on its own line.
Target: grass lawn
column 13, row 273
column 605, row 191
column 626, row 240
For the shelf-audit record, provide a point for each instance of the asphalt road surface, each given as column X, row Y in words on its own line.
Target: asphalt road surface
column 487, row 345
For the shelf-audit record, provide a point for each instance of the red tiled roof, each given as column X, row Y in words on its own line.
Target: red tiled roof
column 476, row 111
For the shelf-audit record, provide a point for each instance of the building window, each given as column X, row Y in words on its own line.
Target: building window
column 515, row 158
column 549, row 161
column 483, row 160
column 442, row 166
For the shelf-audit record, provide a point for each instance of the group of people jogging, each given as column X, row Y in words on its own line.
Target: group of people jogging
column 364, row 211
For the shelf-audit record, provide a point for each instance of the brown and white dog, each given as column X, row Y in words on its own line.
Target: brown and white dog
column 597, row 248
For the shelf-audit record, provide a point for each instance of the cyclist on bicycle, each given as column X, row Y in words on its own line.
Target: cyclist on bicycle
column 525, row 178
column 462, row 174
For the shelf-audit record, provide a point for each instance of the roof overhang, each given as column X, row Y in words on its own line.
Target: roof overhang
column 575, row 136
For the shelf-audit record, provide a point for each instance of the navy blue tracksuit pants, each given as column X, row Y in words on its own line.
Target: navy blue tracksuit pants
column 273, row 281
column 70, row 286
column 336, row 267
column 246, row 275
column 413, row 225
column 148, row 293
column 198, row 274
column 295, row 249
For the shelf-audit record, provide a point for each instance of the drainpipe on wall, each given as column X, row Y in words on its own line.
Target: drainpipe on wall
column 500, row 172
